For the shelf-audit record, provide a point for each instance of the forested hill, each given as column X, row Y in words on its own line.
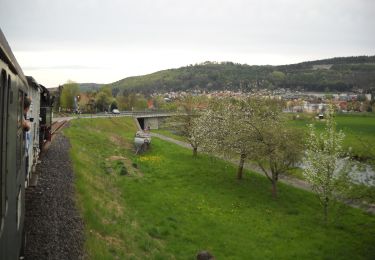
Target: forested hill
column 336, row 74
column 89, row 87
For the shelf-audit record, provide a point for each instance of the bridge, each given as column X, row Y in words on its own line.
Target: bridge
column 148, row 119
column 145, row 119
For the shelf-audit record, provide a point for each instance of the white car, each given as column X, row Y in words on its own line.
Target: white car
column 115, row 111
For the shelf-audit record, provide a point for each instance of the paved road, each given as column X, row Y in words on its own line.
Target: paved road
column 68, row 118
column 122, row 114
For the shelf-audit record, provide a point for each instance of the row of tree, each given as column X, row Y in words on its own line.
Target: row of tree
column 105, row 99
column 249, row 129
column 254, row 130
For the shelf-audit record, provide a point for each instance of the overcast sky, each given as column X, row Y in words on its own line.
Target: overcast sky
column 105, row 41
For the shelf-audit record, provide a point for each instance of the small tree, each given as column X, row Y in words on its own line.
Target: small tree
column 69, row 91
column 237, row 127
column 103, row 100
column 322, row 169
column 278, row 149
column 187, row 123
column 197, row 133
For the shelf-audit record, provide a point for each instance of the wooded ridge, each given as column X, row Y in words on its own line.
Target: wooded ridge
column 331, row 75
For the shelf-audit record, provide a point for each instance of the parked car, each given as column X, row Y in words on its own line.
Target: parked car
column 115, row 111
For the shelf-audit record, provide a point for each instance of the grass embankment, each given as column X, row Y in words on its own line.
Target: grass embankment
column 174, row 205
column 170, row 134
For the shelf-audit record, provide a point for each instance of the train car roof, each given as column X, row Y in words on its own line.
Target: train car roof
column 44, row 89
column 32, row 82
column 49, row 99
column 6, row 54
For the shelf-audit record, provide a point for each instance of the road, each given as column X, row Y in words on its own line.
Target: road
column 122, row 114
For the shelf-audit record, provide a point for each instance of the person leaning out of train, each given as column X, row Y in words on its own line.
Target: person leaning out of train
column 26, row 107
column 26, row 124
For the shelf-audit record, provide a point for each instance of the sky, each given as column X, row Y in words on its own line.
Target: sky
column 104, row 41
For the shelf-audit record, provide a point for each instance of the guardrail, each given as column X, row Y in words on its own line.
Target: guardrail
column 131, row 113
column 137, row 114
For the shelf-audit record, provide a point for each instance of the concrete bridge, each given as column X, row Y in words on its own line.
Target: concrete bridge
column 151, row 120
column 145, row 119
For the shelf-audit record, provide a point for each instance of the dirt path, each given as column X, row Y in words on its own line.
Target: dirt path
column 54, row 229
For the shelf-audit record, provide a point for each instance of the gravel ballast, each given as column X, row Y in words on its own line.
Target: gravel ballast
column 53, row 226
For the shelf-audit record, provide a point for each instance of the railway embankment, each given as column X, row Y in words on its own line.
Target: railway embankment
column 53, row 226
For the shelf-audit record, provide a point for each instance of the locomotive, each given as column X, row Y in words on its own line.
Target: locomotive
column 19, row 152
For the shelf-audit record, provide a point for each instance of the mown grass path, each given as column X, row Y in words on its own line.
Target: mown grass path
column 172, row 205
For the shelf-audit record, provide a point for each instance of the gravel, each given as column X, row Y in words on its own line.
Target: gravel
column 53, row 226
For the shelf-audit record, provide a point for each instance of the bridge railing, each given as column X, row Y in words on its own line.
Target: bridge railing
column 129, row 113
column 150, row 114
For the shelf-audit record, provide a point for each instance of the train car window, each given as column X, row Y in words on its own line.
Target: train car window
column 19, row 109
column 2, row 141
column 7, row 102
column 19, row 144
column 19, row 207
column 2, row 86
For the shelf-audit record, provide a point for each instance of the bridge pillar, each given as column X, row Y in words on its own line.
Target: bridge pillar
column 152, row 122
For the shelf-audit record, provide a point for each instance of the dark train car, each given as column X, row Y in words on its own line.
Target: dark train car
column 13, row 88
column 32, row 150
column 46, row 106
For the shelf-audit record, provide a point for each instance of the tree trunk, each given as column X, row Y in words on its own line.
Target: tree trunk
column 325, row 208
column 240, row 167
column 274, row 188
column 195, row 151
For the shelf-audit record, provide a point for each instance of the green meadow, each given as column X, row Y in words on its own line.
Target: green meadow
column 359, row 132
column 166, row 204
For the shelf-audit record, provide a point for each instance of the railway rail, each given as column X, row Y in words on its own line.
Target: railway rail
column 55, row 128
column 57, row 125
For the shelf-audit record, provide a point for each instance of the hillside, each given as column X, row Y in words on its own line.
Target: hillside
column 336, row 74
column 89, row 87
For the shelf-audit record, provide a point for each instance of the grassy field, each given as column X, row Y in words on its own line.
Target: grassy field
column 166, row 204
column 170, row 134
column 359, row 132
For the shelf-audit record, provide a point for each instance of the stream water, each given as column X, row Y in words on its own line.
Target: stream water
column 360, row 173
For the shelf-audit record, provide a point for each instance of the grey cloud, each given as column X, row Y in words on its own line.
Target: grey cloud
column 63, row 67
column 289, row 26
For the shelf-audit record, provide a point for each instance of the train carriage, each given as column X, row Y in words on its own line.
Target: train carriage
column 46, row 106
column 13, row 87
column 16, row 162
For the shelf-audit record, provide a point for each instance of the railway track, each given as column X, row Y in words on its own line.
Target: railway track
column 56, row 126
